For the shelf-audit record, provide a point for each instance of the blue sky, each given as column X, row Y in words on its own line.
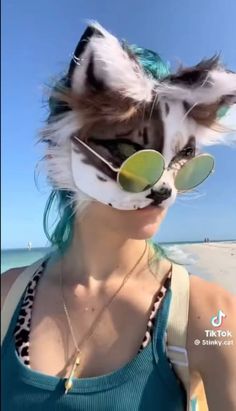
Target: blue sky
column 38, row 39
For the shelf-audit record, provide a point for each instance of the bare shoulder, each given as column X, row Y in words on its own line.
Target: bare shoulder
column 208, row 300
column 211, row 340
column 7, row 279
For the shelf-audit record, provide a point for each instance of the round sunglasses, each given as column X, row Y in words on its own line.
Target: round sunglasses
column 144, row 168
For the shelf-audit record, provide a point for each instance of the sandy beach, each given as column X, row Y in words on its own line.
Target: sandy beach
column 215, row 262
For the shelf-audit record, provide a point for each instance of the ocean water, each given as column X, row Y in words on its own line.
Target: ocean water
column 22, row 256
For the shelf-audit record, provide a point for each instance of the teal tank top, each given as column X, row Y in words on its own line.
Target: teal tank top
column 147, row 382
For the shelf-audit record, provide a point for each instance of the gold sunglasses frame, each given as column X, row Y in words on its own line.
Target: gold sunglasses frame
column 117, row 170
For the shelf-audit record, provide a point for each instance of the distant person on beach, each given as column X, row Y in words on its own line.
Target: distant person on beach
column 106, row 321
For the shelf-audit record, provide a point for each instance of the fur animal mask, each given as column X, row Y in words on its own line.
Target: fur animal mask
column 113, row 93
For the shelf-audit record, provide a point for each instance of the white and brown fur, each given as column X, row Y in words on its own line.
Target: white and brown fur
column 112, row 98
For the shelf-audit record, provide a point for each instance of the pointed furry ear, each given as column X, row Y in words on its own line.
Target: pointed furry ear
column 206, row 83
column 100, row 64
column 207, row 92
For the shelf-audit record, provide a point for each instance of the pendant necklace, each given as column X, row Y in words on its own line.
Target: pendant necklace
column 77, row 361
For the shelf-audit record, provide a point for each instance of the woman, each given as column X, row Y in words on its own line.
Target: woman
column 122, row 139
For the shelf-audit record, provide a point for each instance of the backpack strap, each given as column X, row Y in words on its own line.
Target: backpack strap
column 177, row 336
column 14, row 295
column 177, row 326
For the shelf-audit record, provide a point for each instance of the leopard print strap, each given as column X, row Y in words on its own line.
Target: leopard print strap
column 22, row 328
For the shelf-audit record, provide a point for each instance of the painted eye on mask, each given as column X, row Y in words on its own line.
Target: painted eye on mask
column 126, row 149
column 188, row 152
column 121, row 148
column 182, row 157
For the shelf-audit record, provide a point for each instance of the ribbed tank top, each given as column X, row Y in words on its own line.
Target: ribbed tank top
column 147, row 382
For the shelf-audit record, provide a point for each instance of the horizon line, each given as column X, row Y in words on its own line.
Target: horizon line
column 161, row 242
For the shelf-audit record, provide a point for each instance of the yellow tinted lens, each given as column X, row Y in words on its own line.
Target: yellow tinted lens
column 194, row 172
column 141, row 171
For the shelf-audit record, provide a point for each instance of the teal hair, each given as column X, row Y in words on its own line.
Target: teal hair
column 159, row 252
column 151, row 62
column 62, row 233
column 222, row 111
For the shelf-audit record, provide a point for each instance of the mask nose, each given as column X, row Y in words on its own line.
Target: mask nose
column 160, row 195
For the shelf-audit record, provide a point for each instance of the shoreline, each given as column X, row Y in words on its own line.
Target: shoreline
column 180, row 243
column 215, row 262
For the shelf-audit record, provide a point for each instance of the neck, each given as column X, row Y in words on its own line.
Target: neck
column 97, row 254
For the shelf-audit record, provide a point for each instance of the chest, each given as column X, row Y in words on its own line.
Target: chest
column 106, row 343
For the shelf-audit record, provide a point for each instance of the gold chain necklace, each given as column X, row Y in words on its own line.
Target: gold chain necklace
column 69, row 380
